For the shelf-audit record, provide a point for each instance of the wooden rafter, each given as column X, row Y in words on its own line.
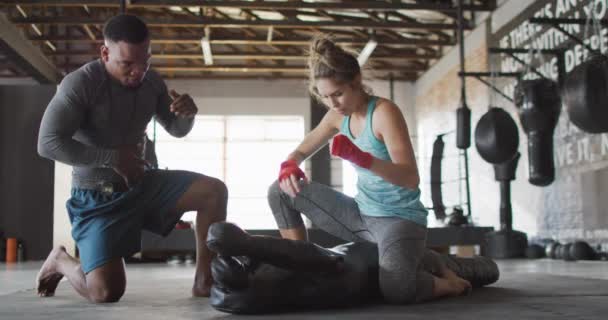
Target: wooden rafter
column 249, row 56
column 248, row 38
column 268, row 5
column 300, row 41
column 234, row 23
column 253, row 69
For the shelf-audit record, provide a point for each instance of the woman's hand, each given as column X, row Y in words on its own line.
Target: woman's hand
column 342, row 147
column 290, row 176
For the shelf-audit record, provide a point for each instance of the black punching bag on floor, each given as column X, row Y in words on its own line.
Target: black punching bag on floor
column 496, row 136
column 463, row 127
column 251, row 276
column 585, row 94
column 539, row 106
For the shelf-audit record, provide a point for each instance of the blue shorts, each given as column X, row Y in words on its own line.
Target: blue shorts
column 108, row 225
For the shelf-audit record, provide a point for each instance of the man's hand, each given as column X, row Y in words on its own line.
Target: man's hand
column 342, row 147
column 130, row 165
column 183, row 105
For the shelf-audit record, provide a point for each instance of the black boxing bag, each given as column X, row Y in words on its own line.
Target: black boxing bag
column 551, row 250
column 247, row 286
column 580, row 250
column 496, row 136
column 539, row 103
column 259, row 282
column 585, row 94
column 230, row 240
column 436, row 195
column 463, row 127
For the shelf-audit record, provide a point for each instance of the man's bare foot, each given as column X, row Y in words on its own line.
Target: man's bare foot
column 202, row 289
column 48, row 277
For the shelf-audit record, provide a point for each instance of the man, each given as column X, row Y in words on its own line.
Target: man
column 96, row 122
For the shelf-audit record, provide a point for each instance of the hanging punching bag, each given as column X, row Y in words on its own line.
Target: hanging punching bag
column 463, row 127
column 496, row 136
column 585, row 94
column 539, row 105
column 436, row 195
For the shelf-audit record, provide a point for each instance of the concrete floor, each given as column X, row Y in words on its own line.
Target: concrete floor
column 528, row 289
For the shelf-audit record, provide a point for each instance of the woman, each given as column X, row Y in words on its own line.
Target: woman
column 372, row 134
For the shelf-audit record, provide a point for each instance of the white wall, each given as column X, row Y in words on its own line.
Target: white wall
column 247, row 97
column 271, row 97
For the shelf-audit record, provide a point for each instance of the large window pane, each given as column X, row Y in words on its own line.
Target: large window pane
column 349, row 179
column 243, row 151
column 251, row 213
column 284, row 128
column 245, row 128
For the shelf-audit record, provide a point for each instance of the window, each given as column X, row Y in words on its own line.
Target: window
column 243, row 151
column 349, row 179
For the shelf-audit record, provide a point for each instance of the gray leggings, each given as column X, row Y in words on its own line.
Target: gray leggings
column 403, row 257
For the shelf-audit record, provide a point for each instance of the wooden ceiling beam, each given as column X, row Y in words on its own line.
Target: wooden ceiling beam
column 28, row 57
column 242, row 56
column 265, row 5
column 273, row 76
column 295, row 41
column 234, row 23
column 439, row 34
column 250, row 69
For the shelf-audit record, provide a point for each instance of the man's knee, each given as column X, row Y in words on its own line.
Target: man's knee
column 106, row 288
column 106, row 294
column 212, row 191
column 108, row 282
column 221, row 190
column 218, row 198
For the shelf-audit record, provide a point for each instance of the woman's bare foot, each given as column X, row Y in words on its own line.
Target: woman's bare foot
column 48, row 277
column 458, row 282
column 202, row 289
column 450, row 284
column 458, row 285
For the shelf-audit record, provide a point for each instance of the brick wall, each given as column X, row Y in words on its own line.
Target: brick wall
column 574, row 205
column 436, row 114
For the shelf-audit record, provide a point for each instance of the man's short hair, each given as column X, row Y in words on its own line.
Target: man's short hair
column 125, row 27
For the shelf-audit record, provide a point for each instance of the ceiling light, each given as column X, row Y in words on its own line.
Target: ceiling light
column 207, row 55
column 206, row 46
column 367, row 51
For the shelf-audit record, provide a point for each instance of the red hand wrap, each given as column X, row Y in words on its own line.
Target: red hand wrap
column 344, row 148
column 288, row 168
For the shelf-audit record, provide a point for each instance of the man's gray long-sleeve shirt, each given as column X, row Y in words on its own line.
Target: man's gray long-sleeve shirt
column 92, row 114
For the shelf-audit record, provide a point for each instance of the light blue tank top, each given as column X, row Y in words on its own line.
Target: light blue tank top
column 376, row 196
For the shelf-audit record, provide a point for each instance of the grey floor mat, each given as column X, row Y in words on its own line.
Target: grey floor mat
column 514, row 296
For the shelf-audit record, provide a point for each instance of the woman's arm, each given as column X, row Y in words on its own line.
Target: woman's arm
column 317, row 138
column 290, row 174
column 391, row 128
